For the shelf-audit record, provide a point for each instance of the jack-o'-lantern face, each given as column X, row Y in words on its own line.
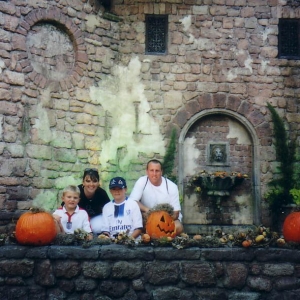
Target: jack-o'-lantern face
column 160, row 224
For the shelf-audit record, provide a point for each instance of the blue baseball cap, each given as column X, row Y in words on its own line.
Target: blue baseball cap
column 117, row 182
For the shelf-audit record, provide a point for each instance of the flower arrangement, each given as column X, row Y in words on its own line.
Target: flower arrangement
column 218, row 180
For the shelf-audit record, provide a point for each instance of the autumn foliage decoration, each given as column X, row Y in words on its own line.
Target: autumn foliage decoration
column 36, row 228
column 160, row 224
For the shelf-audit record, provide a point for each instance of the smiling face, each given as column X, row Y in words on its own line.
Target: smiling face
column 119, row 194
column 154, row 173
column 90, row 185
column 71, row 200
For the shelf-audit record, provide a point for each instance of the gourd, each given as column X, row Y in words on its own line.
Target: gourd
column 36, row 228
column 291, row 227
column 160, row 224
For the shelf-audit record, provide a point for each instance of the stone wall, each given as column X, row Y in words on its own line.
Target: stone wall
column 117, row 272
column 77, row 89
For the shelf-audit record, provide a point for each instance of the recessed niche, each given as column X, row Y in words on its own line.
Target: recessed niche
column 50, row 51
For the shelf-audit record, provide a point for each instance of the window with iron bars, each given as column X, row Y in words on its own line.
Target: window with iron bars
column 156, row 34
column 288, row 38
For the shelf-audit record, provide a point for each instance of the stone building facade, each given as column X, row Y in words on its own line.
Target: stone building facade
column 77, row 89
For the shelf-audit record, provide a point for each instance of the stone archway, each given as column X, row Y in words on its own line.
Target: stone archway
column 52, row 49
column 255, row 143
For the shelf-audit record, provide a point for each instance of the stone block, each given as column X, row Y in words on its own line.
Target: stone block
column 39, row 151
column 259, row 283
column 117, row 252
column 173, row 99
column 4, row 95
column 199, row 274
column 14, row 78
column 10, row 22
column 174, row 254
column 17, row 193
column 228, row 23
column 100, row 270
column 61, row 139
column 14, row 267
column 162, row 273
column 65, row 155
column 222, row 254
column 93, row 143
column 218, row 10
column 247, row 12
column 44, row 274
column 200, row 10
column 61, row 252
column 236, row 275
column 19, row 42
column 8, row 8
column 108, row 287
column 219, row 100
column 5, row 36
column 127, row 270
column 172, row 292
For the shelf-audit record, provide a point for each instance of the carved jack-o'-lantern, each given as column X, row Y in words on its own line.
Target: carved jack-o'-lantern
column 160, row 224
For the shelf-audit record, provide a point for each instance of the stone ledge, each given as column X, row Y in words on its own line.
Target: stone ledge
column 146, row 272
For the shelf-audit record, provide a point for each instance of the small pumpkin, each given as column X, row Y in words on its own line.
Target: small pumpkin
column 246, row 243
column 160, row 224
column 197, row 237
column 36, row 228
column 291, row 227
column 146, row 238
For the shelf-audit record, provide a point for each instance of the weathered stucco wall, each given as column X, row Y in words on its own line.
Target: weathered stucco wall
column 144, row 273
column 95, row 99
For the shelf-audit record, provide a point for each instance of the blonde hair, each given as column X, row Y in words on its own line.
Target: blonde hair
column 71, row 188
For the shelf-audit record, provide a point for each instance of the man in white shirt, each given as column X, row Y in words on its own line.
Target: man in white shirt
column 154, row 189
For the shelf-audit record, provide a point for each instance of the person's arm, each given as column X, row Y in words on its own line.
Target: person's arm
column 174, row 199
column 58, row 225
column 105, row 227
column 175, row 215
column 142, row 207
column 137, row 191
column 137, row 220
column 86, row 225
column 136, row 233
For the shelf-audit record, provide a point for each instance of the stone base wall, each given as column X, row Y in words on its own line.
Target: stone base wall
column 118, row 272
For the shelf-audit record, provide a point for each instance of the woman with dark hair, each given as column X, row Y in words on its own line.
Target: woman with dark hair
column 93, row 198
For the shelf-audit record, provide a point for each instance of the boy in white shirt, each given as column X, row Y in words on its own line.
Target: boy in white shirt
column 71, row 216
column 121, row 214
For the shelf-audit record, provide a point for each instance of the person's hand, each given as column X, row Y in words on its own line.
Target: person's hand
column 58, row 225
column 56, row 218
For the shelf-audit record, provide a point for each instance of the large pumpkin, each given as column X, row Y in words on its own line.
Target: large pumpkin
column 160, row 224
column 291, row 227
column 35, row 228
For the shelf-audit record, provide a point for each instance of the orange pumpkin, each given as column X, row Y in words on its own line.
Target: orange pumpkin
column 35, row 228
column 160, row 224
column 291, row 227
column 146, row 238
column 246, row 243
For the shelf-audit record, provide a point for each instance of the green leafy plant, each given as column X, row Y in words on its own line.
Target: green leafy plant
column 295, row 193
column 169, row 158
column 280, row 187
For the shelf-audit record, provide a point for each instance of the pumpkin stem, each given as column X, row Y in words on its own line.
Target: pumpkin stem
column 36, row 209
column 164, row 206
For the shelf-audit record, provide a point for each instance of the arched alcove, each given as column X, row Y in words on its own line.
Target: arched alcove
column 207, row 119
